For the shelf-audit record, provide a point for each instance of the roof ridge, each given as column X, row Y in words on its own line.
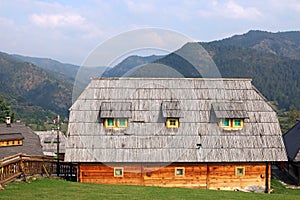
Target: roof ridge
column 147, row 78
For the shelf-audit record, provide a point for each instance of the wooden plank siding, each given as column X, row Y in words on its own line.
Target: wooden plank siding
column 207, row 176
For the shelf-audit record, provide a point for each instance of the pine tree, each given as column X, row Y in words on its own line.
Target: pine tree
column 5, row 110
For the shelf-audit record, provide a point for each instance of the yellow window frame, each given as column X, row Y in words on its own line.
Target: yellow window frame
column 181, row 169
column 239, row 171
column 169, row 123
column 118, row 169
column 117, row 123
column 231, row 124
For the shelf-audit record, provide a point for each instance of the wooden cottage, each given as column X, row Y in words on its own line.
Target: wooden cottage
column 17, row 138
column 202, row 133
column 292, row 143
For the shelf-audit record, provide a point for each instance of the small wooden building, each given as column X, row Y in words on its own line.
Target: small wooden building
column 49, row 143
column 292, row 143
column 202, row 133
column 17, row 138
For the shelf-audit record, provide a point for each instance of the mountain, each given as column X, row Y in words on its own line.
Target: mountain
column 65, row 71
column 128, row 64
column 40, row 88
column 283, row 44
column 272, row 60
column 78, row 76
column 34, row 92
column 276, row 77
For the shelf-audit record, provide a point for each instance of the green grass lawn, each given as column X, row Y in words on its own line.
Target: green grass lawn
column 59, row 189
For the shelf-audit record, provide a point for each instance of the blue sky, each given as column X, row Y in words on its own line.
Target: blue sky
column 69, row 30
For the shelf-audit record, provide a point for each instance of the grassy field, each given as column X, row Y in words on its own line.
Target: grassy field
column 59, row 189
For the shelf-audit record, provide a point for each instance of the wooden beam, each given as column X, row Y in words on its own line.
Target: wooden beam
column 267, row 178
column 44, row 168
column 9, row 179
column 298, row 182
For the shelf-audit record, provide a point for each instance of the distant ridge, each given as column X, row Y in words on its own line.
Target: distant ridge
column 284, row 44
column 128, row 64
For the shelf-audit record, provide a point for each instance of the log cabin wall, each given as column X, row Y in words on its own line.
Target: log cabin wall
column 207, row 176
column 225, row 177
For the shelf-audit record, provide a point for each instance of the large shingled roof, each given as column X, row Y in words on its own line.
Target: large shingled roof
column 196, row 102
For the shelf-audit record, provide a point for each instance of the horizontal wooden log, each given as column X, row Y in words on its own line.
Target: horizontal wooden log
column 10, row 178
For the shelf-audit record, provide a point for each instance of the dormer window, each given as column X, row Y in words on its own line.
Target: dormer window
column 11, row 139
column 171, row 112
column 115, row 114
column 229, row 115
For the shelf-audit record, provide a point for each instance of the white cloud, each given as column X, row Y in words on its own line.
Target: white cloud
column 230, row 10
column 57, row 20
column 235, row 10
column 140, row 7
column 6, row 22
column 287, row 5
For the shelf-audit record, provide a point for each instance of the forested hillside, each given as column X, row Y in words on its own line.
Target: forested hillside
column 128, row 64
column 33, row 92
column 276, row 77
column 283, row 44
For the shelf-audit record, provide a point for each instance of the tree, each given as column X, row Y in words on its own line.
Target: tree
column 5, row 110
column 293, row 116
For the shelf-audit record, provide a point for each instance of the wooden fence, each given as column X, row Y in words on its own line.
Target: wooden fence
column 21, row 165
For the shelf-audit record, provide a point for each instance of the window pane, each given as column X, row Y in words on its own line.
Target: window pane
column 179, row 172
column 172, row 122
column 110, row 122
column 237, row 122
column 122, row 122
column 240, row 171
column 118, row 172
column 225, row 122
